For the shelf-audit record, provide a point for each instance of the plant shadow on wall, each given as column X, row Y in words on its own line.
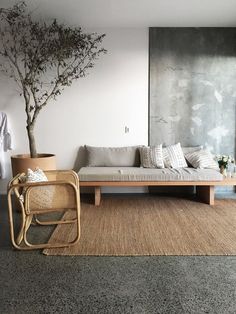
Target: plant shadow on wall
column 43, row 58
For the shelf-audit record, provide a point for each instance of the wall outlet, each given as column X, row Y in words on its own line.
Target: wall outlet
column 126, row 129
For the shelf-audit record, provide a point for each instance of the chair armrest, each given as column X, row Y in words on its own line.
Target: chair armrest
column 65, row 175
column 41, row 183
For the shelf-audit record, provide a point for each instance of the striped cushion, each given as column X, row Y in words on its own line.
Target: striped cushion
column 151, row 157
column 174, row 156
column 166, row 158
column 191, row 149
column 202, row 159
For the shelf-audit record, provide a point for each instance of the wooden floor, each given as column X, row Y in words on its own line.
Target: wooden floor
column 151, row 225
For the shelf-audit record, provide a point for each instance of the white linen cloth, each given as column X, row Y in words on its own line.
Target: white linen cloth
column 5, row 142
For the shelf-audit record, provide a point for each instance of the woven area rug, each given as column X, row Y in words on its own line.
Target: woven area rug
column 151, row 226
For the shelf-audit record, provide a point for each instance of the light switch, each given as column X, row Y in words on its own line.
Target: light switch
column 126, row 129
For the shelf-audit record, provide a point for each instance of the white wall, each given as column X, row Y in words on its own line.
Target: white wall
column 94, row 110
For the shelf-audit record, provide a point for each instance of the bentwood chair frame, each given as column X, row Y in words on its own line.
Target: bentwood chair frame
column 63, row 196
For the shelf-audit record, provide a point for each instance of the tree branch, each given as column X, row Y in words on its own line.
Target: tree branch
column 34, row 49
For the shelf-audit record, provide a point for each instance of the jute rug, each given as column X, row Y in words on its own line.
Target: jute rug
column 152, row 226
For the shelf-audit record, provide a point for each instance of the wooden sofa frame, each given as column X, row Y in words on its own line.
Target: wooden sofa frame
column 204, row 189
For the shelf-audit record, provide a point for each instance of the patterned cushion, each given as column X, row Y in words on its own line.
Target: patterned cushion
column 202, row 159
column 151, row 157
column 35, row 176
column 40, row 195
column 174, row 156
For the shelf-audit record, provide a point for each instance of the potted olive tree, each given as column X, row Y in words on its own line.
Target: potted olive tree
column 43, row 58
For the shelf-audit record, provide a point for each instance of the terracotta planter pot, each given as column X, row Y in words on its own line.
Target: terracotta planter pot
column 20, row 163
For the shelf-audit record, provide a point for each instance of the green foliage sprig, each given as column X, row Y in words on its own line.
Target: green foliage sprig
column 224, row 160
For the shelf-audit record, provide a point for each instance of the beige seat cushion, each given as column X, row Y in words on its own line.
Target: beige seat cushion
column 147, row 174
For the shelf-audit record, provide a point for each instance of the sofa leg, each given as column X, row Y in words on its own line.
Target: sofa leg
column 97, row 195
column 206, row 194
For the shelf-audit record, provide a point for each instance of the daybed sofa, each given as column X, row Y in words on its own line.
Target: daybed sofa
column 120, row 166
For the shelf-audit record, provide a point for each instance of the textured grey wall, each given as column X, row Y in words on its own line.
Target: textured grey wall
column 193, row 87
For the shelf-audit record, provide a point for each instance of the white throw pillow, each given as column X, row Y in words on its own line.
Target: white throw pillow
column 35, row 176
column 174, row 156
column 151, row 157
column 202, row 159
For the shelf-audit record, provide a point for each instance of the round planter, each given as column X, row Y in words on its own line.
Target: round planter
column 20, row 163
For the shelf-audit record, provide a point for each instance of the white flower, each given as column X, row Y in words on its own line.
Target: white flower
column 225, row 159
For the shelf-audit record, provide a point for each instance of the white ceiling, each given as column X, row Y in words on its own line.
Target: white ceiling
column 137, row 13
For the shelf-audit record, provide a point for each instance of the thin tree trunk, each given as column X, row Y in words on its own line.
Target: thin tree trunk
column 32, row 144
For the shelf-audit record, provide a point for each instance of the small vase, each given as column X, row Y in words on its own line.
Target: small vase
column 223, row 171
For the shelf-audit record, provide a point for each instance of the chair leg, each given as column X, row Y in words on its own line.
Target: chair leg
column 30, row 246
column 53, row 222
column 25, row 227
column 78, row 226
column 11, row 222
column 22, row 236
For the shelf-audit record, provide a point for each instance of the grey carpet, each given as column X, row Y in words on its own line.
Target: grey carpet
column 34, row 283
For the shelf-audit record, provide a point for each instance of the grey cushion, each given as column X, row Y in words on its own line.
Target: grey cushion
column 147, row 174
column 113, row 156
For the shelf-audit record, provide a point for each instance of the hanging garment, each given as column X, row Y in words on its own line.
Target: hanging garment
column 5, row 142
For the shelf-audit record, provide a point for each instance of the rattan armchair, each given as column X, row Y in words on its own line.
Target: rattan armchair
column 59, row 194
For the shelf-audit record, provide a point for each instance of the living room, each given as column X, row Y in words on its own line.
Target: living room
column 167, row 77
